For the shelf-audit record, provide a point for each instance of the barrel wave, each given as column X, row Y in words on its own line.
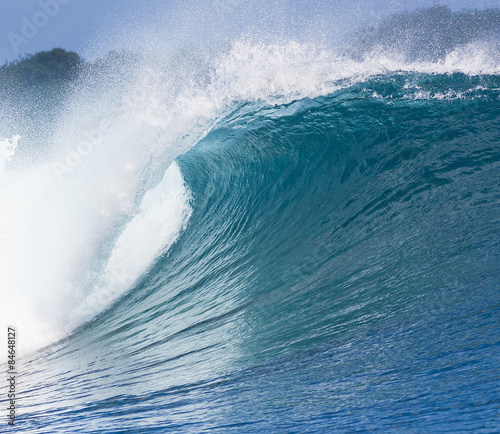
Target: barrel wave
column 332, row 266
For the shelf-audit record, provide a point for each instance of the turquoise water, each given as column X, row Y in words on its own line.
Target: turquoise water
column 339, row 272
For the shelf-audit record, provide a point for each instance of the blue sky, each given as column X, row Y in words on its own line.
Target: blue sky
column 93, row 27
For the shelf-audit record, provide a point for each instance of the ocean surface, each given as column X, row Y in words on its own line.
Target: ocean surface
column 301, row 243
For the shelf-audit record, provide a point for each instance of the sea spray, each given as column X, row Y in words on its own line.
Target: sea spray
column 7, row 149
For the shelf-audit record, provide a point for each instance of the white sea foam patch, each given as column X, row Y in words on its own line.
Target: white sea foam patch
column 49, row 255
column 274, row 73
column 475, row 58
column 161, row 217
column 22, row 306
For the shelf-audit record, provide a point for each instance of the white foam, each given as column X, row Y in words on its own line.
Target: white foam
column 162, row 215
column 45, row 257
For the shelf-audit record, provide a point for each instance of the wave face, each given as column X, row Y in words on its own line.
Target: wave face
column 335, row 268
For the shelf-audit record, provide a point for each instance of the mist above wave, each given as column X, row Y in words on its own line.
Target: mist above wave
column 429, row 34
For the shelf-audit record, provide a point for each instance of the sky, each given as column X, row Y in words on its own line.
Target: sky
column 94, row 27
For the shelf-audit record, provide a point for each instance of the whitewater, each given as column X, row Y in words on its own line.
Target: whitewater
column 270, row 236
